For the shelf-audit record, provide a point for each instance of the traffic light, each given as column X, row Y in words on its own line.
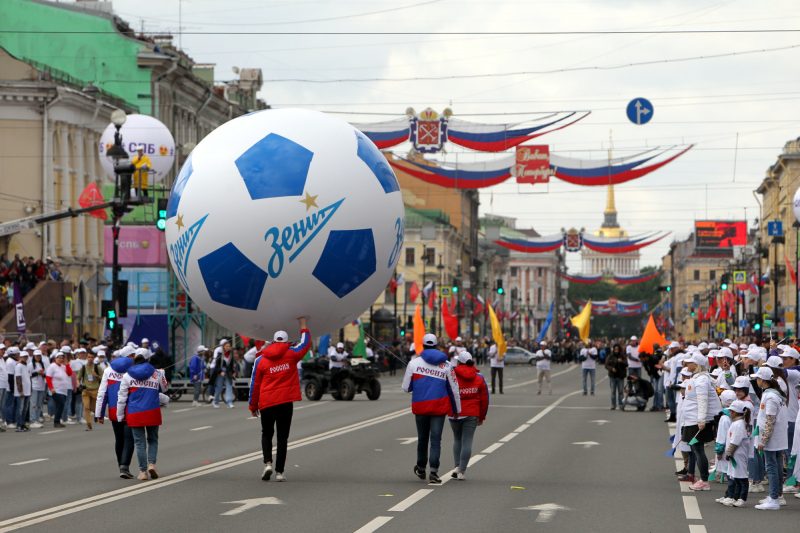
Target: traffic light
column 693, row 312
column 109, row 314
column 161, row 220
column 723, row 283
column 456, row 283
column 757, row 326
column 665, row 288
column 499, row 286
column 668, row 288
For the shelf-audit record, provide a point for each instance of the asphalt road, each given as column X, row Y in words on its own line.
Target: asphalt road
column 561, row 462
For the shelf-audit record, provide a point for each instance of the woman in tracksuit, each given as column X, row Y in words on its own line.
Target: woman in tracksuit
column 107, row 395
column 274, row 387
column 474, row 395
column 139, row 403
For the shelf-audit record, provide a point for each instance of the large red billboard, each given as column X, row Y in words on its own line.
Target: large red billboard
column 720, row 233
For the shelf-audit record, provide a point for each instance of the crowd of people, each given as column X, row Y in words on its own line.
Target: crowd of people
column 22, row 274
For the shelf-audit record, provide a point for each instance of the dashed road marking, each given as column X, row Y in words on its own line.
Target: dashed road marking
column 508, row 437
column 493, row 447
column 697, row 528
column 201, row 428
column 21, row 463
column 411, row 500
column 374, row 524
column 51, row 432
column 691, row 508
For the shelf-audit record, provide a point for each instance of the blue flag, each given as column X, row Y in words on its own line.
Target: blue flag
column 546, row 325
column 324, row 344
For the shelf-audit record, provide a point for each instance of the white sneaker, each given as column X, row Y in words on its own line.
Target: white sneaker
column 789, row 489
column 723, row 500
column 267, row 472
column 756, row 487
column 797, row 495
column 230, row 406
column 12, row 425
column 728, row 502
column 769, row 505
column 35, row 425
column 280, row 477
column 738, row 503
column 195, row 404
column 460, row 476
column 70, row 422
column 781, row 501
column 216, row 406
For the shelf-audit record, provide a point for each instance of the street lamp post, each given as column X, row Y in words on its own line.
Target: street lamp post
column 440, row 268
column 796, row 227
column 122, row 189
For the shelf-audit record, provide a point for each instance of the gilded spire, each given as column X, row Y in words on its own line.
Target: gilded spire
column 611, row 207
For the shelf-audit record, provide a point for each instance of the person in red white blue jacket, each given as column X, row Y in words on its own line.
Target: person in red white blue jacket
column 274, row 387
column 434, row 394
column 474, row 394
column 107, row 396
column 139, row 402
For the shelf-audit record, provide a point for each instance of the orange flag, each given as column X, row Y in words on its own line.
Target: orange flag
column 651, row 337
column 91, row 196
column 419, row 329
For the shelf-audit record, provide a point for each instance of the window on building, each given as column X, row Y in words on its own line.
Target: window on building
column 538, row 296
column 712, row 275
column 430, row 256
column 697, row 275
column 514, row 272
column 539, row 272
column 410, row 257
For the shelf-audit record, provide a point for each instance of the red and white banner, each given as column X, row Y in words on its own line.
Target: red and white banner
column 532, row 164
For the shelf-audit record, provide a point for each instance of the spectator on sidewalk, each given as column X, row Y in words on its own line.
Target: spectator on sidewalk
column 617, row 368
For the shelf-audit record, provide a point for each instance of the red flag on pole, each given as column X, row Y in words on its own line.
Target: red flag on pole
column 450, row 322
column 413, row 292
column 90, row 196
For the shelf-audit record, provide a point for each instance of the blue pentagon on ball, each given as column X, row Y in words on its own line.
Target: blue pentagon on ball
column 231, row 278
column 347, row 260
column 377, row 163
column 274, row 167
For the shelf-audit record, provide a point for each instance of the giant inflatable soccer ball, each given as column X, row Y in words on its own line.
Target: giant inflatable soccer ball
column 159, row 145
column 281, row 214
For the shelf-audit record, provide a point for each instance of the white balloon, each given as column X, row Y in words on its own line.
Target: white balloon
column 281, row 214
column 797, row 205
column 141, row 129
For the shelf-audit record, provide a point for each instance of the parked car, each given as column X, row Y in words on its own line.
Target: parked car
column 517, row 355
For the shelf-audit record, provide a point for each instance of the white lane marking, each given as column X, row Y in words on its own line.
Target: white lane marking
column 474, row 459
column 539, row 406
column 697, row 528
column 522, row 428
column 51, row 432
column 374, row 524
column 671, row 425
column 679, row 464
column 508, row 437
column 515, row 385
column 685, row 486
column 587, row 444
column 411, row 500
column 546, row 511
column 493, row 447
column 600, row 422
column 184, row 409
column 246, row 505
column 407, row 440
column 97, row 500
column 29, row 462
column 315, row 404
column 201, row 428
column 691, row 508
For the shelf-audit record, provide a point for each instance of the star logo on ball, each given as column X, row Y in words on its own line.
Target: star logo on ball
column 310, row 200
column 179, row 222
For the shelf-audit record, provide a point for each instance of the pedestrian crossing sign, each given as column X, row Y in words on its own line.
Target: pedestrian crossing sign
column 739, row 277
column 446, row 292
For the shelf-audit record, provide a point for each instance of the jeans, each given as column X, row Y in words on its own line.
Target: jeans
column 278, row 417
column 737, row 488
column 123, row 443
column 658, row 386
column 429, row 430
column 60, row 401
column 699, row 452
column 10, row 413
column 2, row 403
column 37, row 404
column 23, row 406
column 463, row 432
column 756, row 467
column 588, row 372
column 635, row 372
column 227, row 383
column 774, row 464
column 198, row 390
column 146, row 441
column 74, row 405
column 497, row 372
column 788, row 453
column 672, row 403
column 617, row 386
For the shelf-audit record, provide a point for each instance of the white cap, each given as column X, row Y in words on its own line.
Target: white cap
column 738, row 406
column 774, row 361
column 764, row 373
column 726, row 397
column 685, row 372
column 201, row 348
column 80, row 350
column 674, row 344
column 66, row 349
column 726, row 341
column 755, row 355
column 340, row 345
column 24, row 353
column 743, row 346
column 741, row 382
column 222, row 342
column 280, row 336
column 788, row 351
column 12, row 350
column 127, row 351
column 144, row 352
column 144, row 340
column 634, row 338
column 30, row 346
column 37, row 352
column 713, row 353
column 712, row 346
column 725, row 352
column 702, row 346
column 101, row 353
column 429, row 340
column 698, row 359
column 463, row 357
column 543, row 343
column 716, row 372
column 459, row 339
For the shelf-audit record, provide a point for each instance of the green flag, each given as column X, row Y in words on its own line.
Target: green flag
column 360, row 347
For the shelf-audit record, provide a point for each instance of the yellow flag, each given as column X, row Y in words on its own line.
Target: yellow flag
column 419, row 329
column 581, row 321
column 497, row 333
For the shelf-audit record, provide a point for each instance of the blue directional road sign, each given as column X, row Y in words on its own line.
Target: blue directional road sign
column 640, row 111
column 775, row 228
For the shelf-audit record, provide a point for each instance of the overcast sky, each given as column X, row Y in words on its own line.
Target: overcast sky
column 753, row 93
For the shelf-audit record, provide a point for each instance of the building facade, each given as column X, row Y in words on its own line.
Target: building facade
column 594, row 263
